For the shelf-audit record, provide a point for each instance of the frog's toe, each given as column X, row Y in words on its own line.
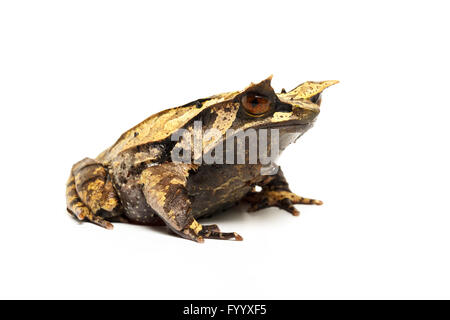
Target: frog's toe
column 211, row 227
column 287, row 205
column 212, row 231
column 281, row 195
column 277, row 198
column 81, row 212
column 100, row 222
column 210, row 234
column 301, row 200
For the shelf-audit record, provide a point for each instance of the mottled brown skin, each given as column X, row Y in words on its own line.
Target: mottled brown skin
column 136, row 181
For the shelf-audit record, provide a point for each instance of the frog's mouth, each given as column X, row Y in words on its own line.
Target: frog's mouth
column 291, row 124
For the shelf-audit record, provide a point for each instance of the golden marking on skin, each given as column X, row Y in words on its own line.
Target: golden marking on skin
column 109, row 204
column 196, row 227
column 70, row 189
column 225, row 184
column 222, row 123
column 98, row 170
column 97, row 183
column 176, row 180
column 255, row 115
column 79, row 204
column 281, row 116
column 149, row 156
column 109, row 197
column 171, row 214
column 70, row 199
column 95, row 192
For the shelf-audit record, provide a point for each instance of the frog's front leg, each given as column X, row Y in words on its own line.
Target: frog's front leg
column 165, row 192
column 276, row 193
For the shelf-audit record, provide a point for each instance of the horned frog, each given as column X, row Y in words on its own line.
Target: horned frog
column 137, row 181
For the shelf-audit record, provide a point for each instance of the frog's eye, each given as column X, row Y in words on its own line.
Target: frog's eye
column 255, row 105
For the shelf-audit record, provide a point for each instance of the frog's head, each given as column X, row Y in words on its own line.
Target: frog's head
column 292, row 113
column 259, row 107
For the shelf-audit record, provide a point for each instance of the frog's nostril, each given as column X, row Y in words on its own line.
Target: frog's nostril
column 317, row 99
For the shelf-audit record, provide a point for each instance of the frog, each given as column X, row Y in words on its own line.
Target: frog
column 138, row 181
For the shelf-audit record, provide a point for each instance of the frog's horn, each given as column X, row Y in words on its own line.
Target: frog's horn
column 310, row 89
column 263, row 87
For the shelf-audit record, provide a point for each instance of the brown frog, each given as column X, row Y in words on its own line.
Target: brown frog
column 137, row 180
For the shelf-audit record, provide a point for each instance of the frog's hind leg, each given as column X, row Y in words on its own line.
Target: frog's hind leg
column 164, row 190
column 79, row 210
column 90, row 194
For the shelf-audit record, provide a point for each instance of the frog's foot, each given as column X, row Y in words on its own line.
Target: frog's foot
column 277, row 198
column 82, row 213
column 79, row 210
column 213, row 232
column 197, row 232
column 90, row 195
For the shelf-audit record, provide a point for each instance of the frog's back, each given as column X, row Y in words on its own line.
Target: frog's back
column 159, row 127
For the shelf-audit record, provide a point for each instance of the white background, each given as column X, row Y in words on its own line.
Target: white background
column 75, row 74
